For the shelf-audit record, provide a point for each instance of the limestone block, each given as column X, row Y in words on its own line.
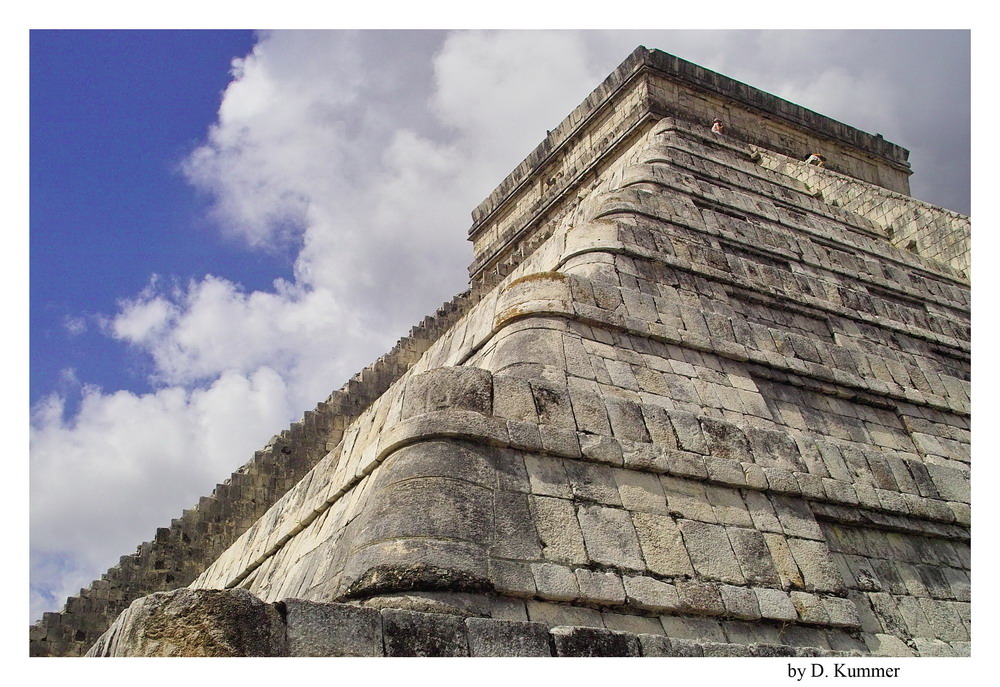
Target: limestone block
column 740, row 602
column 650, row 594
column 775, row 449
column 886, row 645
column 711, row 552
column 640, row 491
column 524, row 435
column 659, row 426
column 662, row 545
column 810, row 608
column 408, row 633
column 553, row 405
column 688, row 431
column 813, row 560
column 754, row 557
column 593, row 482
column 554, row 615
column 428, row 507
column 560, row 442
column 728, row 506
column 555, row 582
column 414, row 564
column 507, row 638
column 726, row 440
column 547, row 476
column 701, row 598
column 512, row 578
column 945, row 620
column 589, row 412
column 913, row 615
column 189, row 622
column 683, row 463
column 514, row 535
column 687, row 498
column 776, row 605
column 933, row 647
column 576, row 356
column 720, row 650
column 526, row 352
column 601, row 449
column 592, row 641
column 610, row 537
column 756, row 478
column 784, row 563
column 656, row 645
column 626, row 420
column 558, row 530
column 600, row 587
column 513, row 400
column 727, row 472
column 781, row 480
column 952, row 484
column 633, row 624
column 795, row 517
column 700, row 630
column 448, row 388
column 316, row 629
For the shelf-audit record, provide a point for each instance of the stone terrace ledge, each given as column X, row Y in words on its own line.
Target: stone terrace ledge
column 648, row 86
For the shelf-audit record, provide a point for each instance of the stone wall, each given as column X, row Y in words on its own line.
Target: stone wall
column 925, row 229
column 708, row 406
column 298, row 628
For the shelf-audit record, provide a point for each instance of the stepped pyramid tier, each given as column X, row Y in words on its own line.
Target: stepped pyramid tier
column 702, row 398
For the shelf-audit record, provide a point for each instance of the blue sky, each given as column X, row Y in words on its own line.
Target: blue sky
column 217, row 245
column 113, row 114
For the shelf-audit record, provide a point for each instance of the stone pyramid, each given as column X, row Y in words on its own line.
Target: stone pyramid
column 703, row 398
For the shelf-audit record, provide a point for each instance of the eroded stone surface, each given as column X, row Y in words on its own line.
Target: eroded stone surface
column 195, row 622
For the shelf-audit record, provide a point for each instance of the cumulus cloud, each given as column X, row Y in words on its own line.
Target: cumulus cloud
column 102, row 481
column 364, row 152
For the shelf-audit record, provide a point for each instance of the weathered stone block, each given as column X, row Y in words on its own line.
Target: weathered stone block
column 610, row 537
column 506, row 638
column 640, row 491
column 592, row 641
column 558, row 530
column 776, row 605
column 740, row 602
column 603, row 588
column 547, row 476
column 650, row 594
column 316, row 629
column 655, row 645
column 711, row 552
column 688, row 431
column 775, row 449
column 514, row 534
column 701, row 598
column 195, row 622
column 818, row 570
column 449, row 388
column 407, row 633
column 555, row 582
column 593, row 482
column 662, row 545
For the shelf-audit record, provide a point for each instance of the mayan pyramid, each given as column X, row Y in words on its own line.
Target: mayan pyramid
column 703, row 397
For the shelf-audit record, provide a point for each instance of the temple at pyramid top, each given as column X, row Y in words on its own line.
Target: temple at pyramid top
column 651, row 85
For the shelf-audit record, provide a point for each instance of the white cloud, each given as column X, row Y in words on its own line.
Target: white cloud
column 103, row 481
column 75, row 325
